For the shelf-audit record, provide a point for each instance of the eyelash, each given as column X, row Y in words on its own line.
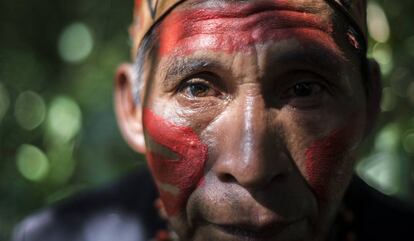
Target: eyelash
column 305, row 84
column 196, row 81
column 318, row 89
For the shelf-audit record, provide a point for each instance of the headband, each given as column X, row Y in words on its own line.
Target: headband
column 149, row 12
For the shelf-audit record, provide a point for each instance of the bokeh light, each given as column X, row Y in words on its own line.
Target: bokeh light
column 32, row 163
column 399, row 81
column 378, row 26
column 29, row 110
column 62, row 164
column 64, row 119
column 410, row 93
column 388, row 139
column 408, row 141
column 381, row 169
column 4, row 101
column 381, row 172
column 382, row 53
column 409, row 45
column 389, row 100
column 75, row 43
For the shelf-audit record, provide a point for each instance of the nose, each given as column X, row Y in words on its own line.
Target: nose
column 250, row 149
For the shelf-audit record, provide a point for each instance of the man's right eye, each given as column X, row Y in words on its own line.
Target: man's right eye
column 198, row 88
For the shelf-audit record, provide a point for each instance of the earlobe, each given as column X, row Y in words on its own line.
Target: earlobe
column 129, row 113
column 374, row 93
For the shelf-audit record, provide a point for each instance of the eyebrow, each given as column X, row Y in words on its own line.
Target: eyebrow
column 178, row 67
column 320, row 57
column 321, row 60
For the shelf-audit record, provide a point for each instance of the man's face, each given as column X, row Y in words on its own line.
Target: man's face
column 251, row 112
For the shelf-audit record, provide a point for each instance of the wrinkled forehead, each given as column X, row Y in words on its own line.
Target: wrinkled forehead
column 238, row 9
column 150, row 12
column 299, row 5
column 234, row 26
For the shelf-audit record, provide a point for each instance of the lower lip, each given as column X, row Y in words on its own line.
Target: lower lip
column 244, row 234
column 239, row 233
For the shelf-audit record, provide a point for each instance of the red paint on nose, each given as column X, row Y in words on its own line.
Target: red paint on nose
column 183, row 174
column 234, row 28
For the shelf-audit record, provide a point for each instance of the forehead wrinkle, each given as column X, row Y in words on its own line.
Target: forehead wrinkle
column 310, row 6
column 269, row 20
column 252, row 27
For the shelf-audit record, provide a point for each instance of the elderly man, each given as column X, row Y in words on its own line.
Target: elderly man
column 250, row 114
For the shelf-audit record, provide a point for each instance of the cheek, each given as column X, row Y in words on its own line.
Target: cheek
column 178, row 177
column 329, row 160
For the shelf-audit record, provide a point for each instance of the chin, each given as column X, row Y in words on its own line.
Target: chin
column 225, row 222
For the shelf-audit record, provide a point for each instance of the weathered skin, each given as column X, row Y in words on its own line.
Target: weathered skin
column 237, row 152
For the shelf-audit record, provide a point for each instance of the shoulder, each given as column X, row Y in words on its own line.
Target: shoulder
column 376, row 216
column 123, row 211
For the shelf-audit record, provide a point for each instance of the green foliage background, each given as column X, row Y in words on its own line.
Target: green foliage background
column 58, row 133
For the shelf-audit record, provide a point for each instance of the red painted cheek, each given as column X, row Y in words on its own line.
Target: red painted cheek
column 327, row 155
column 178, row 178
column 231, row 30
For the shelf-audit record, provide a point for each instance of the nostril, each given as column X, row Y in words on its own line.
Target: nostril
column 255, row 181
column 228, row 178
column 278, row 177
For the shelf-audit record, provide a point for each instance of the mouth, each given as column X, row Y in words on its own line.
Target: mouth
column 252, row 232
column 249, row 232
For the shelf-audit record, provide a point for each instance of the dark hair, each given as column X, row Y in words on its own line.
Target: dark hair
column 146, row 49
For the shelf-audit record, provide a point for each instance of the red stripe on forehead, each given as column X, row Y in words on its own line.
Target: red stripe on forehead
column 233, row 28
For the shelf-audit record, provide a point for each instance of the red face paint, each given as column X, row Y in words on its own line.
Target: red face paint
column 237, row 27
column 178, row 178
column 326, row 155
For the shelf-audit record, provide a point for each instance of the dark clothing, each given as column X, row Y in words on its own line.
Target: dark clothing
column 125, row 211
column 375, row 216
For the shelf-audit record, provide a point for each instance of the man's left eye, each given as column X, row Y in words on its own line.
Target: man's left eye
column 305, row 89
column 304, row 95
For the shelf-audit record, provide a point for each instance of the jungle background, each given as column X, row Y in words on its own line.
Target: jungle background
column 58, row 133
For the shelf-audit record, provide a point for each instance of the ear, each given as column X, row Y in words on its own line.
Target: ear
column 374, row 93
column 129, row 113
